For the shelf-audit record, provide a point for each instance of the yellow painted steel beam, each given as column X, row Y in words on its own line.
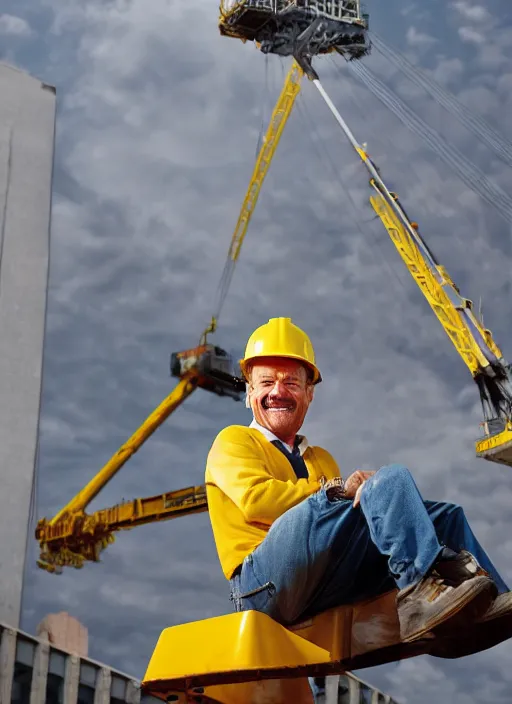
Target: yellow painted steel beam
column 182, row 390
column 278, row 120
column 433, row 290
column 79, row 537
column 498, row 447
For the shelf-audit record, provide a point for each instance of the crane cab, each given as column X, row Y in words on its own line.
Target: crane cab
column 285, row 27
column 215, row 367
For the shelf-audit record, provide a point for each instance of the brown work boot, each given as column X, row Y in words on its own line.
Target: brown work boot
column 455, row 586
column 494, row 627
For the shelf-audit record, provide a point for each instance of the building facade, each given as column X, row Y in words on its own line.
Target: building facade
column 34, row 671
column 27, row 125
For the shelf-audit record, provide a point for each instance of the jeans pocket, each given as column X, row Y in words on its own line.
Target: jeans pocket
column 255, row 593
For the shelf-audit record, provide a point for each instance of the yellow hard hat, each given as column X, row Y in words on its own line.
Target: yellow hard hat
column 281, row 338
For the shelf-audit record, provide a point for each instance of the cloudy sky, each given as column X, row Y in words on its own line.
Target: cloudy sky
column 157, row 129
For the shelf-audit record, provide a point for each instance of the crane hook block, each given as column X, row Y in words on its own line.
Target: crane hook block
column 215, row 367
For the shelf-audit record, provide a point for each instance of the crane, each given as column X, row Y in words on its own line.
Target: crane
column 474, row 343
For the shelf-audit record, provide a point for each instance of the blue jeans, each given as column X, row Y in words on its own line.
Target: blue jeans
column 322, row 553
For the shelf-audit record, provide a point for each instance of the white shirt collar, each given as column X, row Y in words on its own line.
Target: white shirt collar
column 303, row 443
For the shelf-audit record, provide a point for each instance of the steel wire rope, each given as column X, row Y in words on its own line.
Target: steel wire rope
column 264, row 109
column 471, row 175
column 232, row 256
column 322, row 149
column 474, row 123
column 383, row 136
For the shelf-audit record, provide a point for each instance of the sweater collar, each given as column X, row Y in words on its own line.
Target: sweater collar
column 301, row 440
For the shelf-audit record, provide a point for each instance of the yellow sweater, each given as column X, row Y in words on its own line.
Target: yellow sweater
column 249, row 484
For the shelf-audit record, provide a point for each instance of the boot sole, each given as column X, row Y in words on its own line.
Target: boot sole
column 472, row 603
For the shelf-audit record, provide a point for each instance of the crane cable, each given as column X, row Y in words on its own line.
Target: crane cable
column 471, row 175
column 269, row 142
column 325, row 155
column 474, row 123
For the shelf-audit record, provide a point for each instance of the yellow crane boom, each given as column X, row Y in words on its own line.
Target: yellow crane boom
column 182, row 391
column 278, row 120
column 472, row 341
column 72, row 536
column 79, row 537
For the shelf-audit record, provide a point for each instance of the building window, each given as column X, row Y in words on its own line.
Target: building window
column 117, row 690
column 23, row 666
column 344, row 690
column 365, row 694
column 55, row 678
column 21, row 684
column 87, row 685
column 54, row 689
column 85, row 694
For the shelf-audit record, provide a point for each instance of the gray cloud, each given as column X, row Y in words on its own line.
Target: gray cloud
column 14, row 26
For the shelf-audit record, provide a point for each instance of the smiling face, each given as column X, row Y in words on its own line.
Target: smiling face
column 279, row 394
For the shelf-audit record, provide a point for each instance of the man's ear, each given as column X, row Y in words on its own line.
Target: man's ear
column 311, row 392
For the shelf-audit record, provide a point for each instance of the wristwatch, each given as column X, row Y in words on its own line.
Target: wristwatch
column 337, row 484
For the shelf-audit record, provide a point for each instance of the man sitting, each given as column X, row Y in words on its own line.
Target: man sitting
column 294, row 539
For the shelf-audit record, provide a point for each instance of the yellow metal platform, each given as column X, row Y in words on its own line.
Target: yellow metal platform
column 247, row 658
column 497, row 448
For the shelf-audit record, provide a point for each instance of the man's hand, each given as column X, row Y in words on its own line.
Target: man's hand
column 354, row 485
column 351, row 489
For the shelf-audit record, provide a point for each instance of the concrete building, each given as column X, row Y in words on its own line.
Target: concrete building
column 348, row 689
column 27, row 122
column 35, row 671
